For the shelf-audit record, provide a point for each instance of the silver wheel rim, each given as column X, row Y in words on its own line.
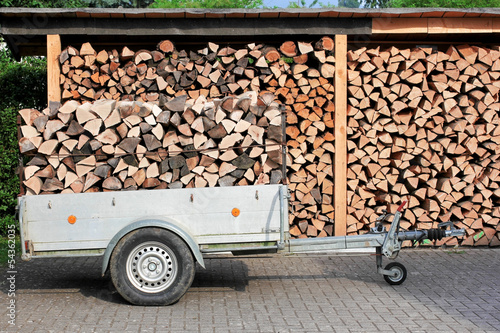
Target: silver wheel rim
column 398, row 274
column 151, row 267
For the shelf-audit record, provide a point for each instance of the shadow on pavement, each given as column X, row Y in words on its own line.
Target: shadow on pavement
column 83, row 275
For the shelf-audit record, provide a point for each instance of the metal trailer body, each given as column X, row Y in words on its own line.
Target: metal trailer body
column 150, row 239
column 87, row 223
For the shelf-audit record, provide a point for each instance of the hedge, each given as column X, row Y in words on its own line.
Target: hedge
column 22, row 85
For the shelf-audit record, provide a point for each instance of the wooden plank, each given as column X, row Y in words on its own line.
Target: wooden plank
column 495, row 25
column 53, row 69
column 100, row 15
column 453, row 14
column 191, row 15
column 345, row 14
column 269, row 15
column 416, row 14
column 459, row 25
column 155, row 15
column 234, row 15
column 436, row 13
column 285, row 14
column 390, row 25
column 80, row 14
column 329, row 14
column 116, row 15
column 340, row 135
column 134, row 15
column 308, row 14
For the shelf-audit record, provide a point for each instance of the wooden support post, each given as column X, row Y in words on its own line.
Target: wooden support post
column 22, row 189
column 53, row 69
column 340, row 135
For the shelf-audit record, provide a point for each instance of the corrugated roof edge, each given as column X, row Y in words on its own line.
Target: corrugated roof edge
column 395, row 12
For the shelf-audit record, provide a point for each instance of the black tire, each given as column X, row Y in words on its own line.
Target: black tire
column 400, row 273
column 152, row 266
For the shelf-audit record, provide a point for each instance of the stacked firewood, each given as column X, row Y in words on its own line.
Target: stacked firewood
column 311, row 147
column 307, row 91
column 424, row 126
column 109, row 145
column 213, row 71
column 298, row 74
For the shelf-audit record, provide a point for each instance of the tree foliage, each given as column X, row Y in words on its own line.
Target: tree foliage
column 117, row 3
column 429, row 3
column 42, row 4
column 301, row 4
column 206, row 4
column 444, row 3
column 76, row 3
column 22, row 85
column 376, row 3
column 349, row 3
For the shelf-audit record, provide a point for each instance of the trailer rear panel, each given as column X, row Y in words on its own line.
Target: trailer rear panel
column 85, row 223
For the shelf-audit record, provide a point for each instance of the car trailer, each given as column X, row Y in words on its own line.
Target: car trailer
column 151, row 240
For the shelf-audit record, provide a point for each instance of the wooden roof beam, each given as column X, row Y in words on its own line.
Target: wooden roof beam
column 187, row 26
column 446, row 25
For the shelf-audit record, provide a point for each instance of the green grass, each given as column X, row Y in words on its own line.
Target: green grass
column 4, row 250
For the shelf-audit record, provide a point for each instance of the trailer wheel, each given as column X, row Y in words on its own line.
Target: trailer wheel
column 152, row 266
column 399, row 273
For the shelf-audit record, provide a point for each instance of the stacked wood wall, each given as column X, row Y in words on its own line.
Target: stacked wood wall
column 424, row 126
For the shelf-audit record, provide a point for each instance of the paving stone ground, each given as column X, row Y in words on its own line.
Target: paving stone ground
column 446, row 291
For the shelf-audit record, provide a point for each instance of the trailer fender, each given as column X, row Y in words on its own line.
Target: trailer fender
column 168, row 225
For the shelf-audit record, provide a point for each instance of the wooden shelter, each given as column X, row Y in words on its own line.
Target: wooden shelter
column 49, row 31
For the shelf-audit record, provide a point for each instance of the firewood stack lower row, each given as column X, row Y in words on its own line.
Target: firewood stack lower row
column 109, row 145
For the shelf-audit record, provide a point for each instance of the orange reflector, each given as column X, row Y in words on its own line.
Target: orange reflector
column 72, row 219
column 235, row 212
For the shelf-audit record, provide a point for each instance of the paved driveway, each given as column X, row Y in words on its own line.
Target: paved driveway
column 446, row 291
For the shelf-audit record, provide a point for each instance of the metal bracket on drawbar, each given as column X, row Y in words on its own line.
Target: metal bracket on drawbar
column 392, row 245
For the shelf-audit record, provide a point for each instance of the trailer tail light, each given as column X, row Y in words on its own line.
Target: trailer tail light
column 72, row 219
column 28, row 248
column 235, row 212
